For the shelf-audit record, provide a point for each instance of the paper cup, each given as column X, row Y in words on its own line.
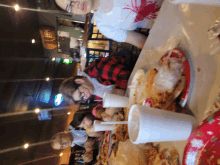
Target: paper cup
column 102, row 127
column 146, row 124
column 112, row 100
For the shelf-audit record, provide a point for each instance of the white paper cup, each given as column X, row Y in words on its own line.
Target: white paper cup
column 146, row 124
column 112, row 100
column 102, row 127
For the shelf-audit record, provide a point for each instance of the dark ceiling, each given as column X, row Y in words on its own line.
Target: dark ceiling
column 20, row 59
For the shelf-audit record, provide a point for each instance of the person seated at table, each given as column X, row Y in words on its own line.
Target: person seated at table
column 116, row 19
column 85, row 120
column 71, row 138
column 63, row 140
column 90, row 158
column 92, row 150
column 107, row 74
column 102, row 113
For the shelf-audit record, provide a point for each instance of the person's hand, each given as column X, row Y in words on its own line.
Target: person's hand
column 90, row 131
column 106, row 117
column 88, row 157
column 99, row 111
column 89, row 145
column 111, row 111
column 135, row 39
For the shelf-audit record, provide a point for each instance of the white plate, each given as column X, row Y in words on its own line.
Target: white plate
column 139, row 74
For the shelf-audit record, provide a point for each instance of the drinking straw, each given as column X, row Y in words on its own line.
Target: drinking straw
column 115, row 122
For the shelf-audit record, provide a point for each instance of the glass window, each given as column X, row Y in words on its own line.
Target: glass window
column 100, row 36
column 91, row 52
column 96, row 53
column 94, row 36
column 95, row 29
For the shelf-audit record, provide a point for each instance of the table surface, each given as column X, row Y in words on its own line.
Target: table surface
column 191, row 22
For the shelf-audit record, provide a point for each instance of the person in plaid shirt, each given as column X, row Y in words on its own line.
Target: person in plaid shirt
column 108, row 74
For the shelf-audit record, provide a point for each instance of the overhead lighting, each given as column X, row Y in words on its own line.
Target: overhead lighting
column 37, row 110
column 67, row 61
column 48, row 79
column 33, row 41
column 61, row 154
column 53, row 59
column 58, row 99
column 58, row 59
column 26, row 145
column 16, row 7
column 68, row 113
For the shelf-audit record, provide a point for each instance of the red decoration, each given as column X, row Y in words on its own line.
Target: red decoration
column 204, row 143
column 177, row 53
column 147, row 10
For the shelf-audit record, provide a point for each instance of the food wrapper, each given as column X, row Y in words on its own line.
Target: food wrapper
column 214, row 35
column 171, row 69
column 168, row 75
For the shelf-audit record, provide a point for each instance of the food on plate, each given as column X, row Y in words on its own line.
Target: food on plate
column 113, row 137
column 150, row 79
column 140, row 79
column 114, row 148
column 121, row 133
column 137, row 81
column 151, row 155
column 145, row 90
column 174, row 156
column 149, row 93
column 104, row 149
column 121, row 129
column 157, row 99
column 119, row 136
column 169, row 72
column 164, row 157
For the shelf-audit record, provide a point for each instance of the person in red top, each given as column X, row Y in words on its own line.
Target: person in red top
column 108, row 74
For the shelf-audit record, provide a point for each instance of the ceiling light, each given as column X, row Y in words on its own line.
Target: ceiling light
column 26, row 145
column 16, row 7
column 33, row 41
column 37, row 110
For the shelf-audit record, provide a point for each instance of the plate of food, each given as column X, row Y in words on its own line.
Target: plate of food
column 204, row 143
column 107, row 143
column 178, row 53
column 166, row 156
column 172, row 72
column 105, row 148
column 120, row 134
column 137, row 81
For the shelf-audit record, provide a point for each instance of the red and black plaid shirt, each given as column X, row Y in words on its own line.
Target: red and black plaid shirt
column 109, row 71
